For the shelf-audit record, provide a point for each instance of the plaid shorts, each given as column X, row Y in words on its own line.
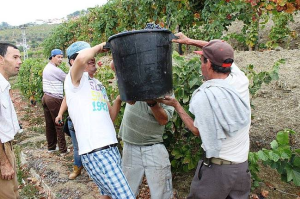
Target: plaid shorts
column 104, row 167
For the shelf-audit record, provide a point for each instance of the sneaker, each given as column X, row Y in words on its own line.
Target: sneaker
column 52, row 150
column 65, row 153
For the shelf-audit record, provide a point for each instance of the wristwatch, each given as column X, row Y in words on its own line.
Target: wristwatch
column 152, row 104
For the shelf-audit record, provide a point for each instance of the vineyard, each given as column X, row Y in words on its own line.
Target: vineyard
column 265, row 35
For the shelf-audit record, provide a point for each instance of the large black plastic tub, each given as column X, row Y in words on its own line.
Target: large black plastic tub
column 143, row 62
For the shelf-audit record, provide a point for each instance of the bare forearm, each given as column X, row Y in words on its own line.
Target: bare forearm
column 7, row 171
column 115, row 109
column 82, row 59
column 182, row 39
column 187, row 120
column 90, row 53
column 160, row 114
column 3, row 158
column 63, row 107
column 198, row 43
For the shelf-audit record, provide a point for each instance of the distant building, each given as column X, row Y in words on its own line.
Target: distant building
column 49, row 21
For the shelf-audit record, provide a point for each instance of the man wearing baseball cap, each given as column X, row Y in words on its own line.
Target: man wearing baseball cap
column 55, row 52
column 221, row 107
column 92, row 117
column 53, row 78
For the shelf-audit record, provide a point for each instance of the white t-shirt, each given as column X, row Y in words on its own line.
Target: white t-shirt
column 87, row 106
column 236, row 148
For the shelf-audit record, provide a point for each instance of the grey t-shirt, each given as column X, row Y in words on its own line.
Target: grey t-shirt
column 139, row 125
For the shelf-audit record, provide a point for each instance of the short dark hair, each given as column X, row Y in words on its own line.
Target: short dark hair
column 220, row 69
column 4, row 46
column 72, row 57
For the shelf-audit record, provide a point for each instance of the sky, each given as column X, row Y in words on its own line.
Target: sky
column 18, row 12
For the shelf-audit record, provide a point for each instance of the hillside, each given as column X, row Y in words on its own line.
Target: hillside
column 34, row 34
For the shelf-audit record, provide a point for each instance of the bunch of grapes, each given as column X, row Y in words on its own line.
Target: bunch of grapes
column 152, row 26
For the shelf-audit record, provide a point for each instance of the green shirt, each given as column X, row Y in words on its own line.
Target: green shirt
column 139, row 125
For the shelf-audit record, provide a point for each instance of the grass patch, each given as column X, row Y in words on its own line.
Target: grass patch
column 26, row 117
column 20, row 173
column 28, row 144
column 40, row 144
column 37, row 120
column 37, row 129
column 29, row 191
column 28, row 110
column 21, row 137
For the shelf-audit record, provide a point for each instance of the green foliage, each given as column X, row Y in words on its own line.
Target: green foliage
column 257, row 79
column 198, row 19
column 183, row 146
column 217, row 17
column 282, row 157
column 118, row 15
column 99, row 23
column 280, row 31
column 30, row 78
column 254, row 169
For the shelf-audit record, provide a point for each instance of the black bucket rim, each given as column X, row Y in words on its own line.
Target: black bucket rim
column 136, row 32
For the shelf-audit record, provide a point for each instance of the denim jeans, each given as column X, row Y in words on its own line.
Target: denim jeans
column 77, row 159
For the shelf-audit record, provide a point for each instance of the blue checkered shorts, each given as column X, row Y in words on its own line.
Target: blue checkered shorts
column 104, row 167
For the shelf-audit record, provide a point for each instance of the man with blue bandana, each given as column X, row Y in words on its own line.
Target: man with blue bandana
column 53, row 78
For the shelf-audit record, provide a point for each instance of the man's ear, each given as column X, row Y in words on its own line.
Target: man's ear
column 1, row 60
column 209, row 64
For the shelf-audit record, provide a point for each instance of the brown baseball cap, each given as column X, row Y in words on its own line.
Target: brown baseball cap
column 217, row 51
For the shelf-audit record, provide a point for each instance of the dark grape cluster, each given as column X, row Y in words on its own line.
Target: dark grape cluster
column 152, row 26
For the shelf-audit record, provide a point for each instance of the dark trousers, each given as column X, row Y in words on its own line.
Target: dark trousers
column 221, row 182
column 54, row 133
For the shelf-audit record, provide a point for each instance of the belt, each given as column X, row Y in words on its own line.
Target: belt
column 102, row 148
column 152, row 144
column 220, row 161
